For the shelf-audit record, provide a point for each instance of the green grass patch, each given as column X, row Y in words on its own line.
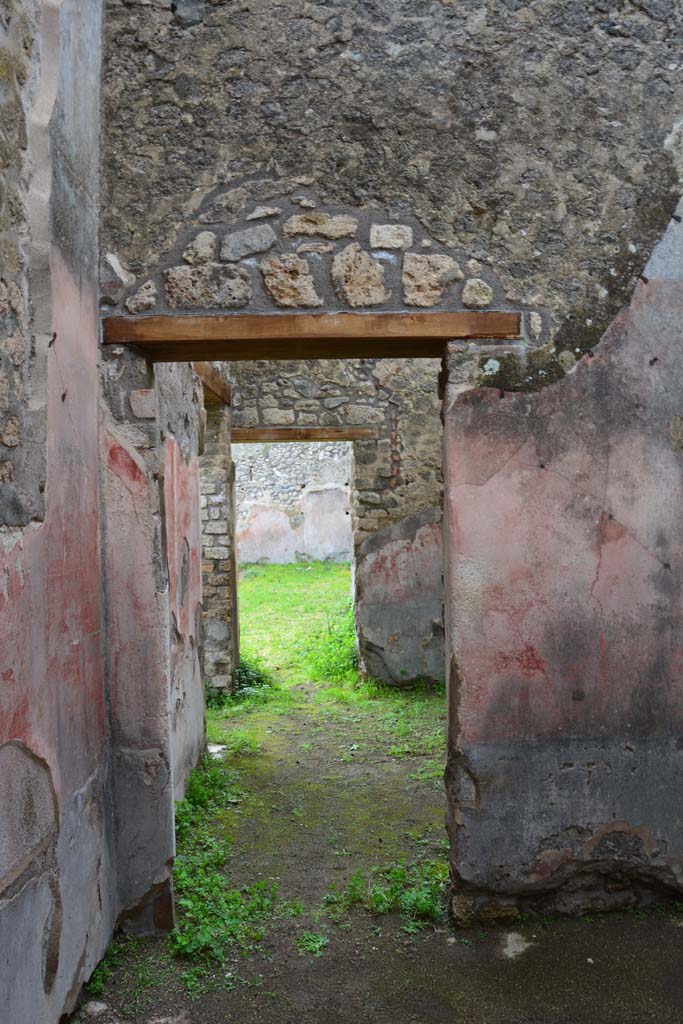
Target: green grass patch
column 214, row 917
column 100, row 976
column 415, row 891
column 332, row 654
column 283, row 606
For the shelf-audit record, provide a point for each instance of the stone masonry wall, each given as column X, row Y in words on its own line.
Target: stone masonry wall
column 22, row 252
column 219, row 576
column 292, row 502
column 394, row 475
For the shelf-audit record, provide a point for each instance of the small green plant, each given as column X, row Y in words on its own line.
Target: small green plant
column 312, row 944
column 214, row 917
column 100, row 976
column 239, row 741
column 413, row 890
column 251, row 675
column 332, row 652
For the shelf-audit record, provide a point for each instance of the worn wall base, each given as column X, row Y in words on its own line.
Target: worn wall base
column 154, row 914
column 571, row 854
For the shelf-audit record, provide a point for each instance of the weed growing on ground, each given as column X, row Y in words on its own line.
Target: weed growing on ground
column 215, row 918
column 312, row 943
column 143, row 971
column 252, row 682
column 100, row 976
column 416, row 891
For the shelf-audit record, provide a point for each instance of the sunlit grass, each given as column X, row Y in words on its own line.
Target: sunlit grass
column 283, row 606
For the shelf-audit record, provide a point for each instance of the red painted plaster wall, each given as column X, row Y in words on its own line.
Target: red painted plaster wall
column 183, row 546
column 52, row 702
column 564, row 549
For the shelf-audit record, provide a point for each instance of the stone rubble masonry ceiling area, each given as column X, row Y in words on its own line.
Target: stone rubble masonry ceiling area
column 530, row 136
column 292, row 502
column 278, row 257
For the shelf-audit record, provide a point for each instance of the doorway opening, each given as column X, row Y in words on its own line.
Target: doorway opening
column 342, row 805
column 316, row 828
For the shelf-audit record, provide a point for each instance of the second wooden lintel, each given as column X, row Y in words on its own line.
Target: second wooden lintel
column 256, row 435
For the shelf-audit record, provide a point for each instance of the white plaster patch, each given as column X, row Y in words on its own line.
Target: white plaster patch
column 514, row 945
column 124, row 276
column 673, row 144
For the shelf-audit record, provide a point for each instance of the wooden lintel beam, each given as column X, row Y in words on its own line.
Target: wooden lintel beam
column 254, row 435
column 253, row 336
column 214, row 381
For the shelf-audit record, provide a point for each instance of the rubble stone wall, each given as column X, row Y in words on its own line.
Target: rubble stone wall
column 23, row 163
column 219, row 571
column 530, row 137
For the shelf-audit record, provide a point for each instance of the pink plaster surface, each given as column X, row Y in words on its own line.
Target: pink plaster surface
column 404, row 569
column 51, row 678
column 137, row 613
column 269, row 530
column 317, row 528
column 52, row 705
column 181, row 492
column 183, row 553
column 565, row 542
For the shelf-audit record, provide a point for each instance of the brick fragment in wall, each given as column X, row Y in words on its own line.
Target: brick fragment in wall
column 477, row 294
column 202, row 249
column 391, row 236
column 143, row 403
column 217, row 552
column 364, row 414
column 238, row 244
column 144, row 299
column 16, row 349
column 11, row 432
column 278, row 417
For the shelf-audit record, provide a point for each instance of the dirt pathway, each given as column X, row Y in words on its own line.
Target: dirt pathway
column 324, row 818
